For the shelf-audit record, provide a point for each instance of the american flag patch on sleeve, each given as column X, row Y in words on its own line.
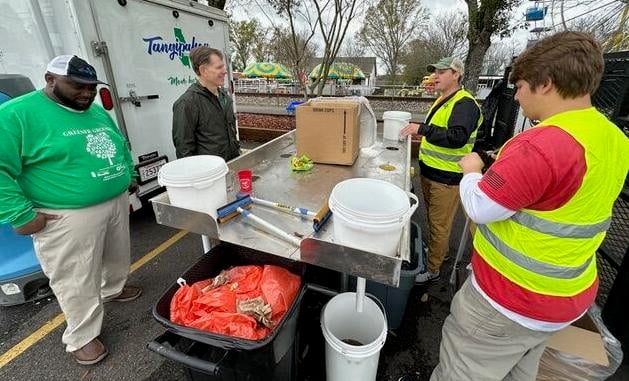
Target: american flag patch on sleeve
column 494, row 180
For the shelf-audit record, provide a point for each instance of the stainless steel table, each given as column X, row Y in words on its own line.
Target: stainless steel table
column 274, row 180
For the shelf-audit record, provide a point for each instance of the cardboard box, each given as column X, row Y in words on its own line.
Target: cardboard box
column 328, row 132
column 582, row 340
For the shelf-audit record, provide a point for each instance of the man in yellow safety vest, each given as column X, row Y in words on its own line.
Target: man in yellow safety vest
column 542, row 209
column 449, row 132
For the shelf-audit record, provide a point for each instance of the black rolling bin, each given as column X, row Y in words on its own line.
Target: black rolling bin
column 210, row 356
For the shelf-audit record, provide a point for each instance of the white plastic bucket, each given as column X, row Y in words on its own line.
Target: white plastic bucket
column 370, row 214
column 394, row 122
column 196, row 182
column 340, row 321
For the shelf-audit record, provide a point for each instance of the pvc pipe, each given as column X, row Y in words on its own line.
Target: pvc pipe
column 360, row 293
column 207, row 244
column 270, row 227
column 285, row 208
column 322, row 289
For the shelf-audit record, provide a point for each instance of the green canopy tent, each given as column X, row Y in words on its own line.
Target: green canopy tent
column 266, row 70
column 340, row 70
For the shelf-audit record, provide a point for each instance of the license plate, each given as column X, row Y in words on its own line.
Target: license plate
column 149, row 171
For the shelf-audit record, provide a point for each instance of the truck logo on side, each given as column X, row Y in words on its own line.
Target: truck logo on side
column 178, row 49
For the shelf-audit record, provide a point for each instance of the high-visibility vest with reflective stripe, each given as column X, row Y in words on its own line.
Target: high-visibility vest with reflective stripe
column 554, row 252
column 442, row 158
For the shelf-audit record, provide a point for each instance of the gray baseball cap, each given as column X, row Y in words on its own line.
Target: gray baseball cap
column 448, row 63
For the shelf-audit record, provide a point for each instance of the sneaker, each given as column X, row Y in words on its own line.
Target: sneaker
column 91, row 353
column 427, row 276
column 128, row 294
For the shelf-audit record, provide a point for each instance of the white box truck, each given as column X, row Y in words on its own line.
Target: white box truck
column 139, row 47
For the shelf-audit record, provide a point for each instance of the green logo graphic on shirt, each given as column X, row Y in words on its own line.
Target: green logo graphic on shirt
column 180, row 48
column 101, row 146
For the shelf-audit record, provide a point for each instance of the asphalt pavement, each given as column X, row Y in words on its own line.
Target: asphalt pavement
column 127, row 327
column 30, row 350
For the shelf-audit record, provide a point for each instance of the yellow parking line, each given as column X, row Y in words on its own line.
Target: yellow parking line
column 157, row 251
column 55, row 322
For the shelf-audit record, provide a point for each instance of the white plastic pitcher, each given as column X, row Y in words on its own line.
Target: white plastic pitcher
column 394, row 122
column 370, row 214
column 353, row 339
column 196, row 182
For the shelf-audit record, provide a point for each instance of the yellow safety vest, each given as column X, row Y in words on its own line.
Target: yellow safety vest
column 442, row 158
column 554, row 252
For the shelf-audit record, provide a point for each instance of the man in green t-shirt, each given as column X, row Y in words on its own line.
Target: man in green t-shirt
column 65, row 173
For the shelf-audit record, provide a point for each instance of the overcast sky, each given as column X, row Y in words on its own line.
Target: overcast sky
column 252, row 10
column 435, row 7
column 444, row 4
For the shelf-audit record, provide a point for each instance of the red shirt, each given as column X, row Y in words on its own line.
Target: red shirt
column 540, row 169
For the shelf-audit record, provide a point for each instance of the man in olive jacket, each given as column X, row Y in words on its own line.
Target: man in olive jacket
column 203, row 117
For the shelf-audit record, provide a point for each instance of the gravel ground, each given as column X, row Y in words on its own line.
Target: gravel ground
column 415, row 105
column 275, row 122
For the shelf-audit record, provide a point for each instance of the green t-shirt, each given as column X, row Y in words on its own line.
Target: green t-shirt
column 54, row 157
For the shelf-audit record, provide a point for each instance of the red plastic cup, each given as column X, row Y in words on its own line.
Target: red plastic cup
column 245, row 177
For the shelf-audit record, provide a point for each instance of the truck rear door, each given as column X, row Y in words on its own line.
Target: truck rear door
column 147, row 46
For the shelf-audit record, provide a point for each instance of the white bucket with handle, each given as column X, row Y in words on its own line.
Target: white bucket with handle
column 370, row 214
column 353, row 339
column 196, row 182
column 394, row 122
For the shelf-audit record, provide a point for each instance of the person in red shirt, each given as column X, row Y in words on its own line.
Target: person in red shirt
column 542, row 210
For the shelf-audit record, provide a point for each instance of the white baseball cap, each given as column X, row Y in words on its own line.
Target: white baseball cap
column 74, row 68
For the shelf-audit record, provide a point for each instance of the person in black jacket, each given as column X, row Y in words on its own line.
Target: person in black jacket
column 449, row 133
column 203, row 117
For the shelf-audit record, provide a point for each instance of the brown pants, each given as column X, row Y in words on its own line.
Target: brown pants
column 442, row 202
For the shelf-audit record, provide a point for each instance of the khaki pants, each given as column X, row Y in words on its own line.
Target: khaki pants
column 86, row 256
column 442, row 202
column 479, row 343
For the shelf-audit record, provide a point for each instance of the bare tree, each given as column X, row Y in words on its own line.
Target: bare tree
column 486, row 19
column 283, row 53
column 333, row 19
column 263, row 45
column 444, row 36
column 295, row 52
column 290, row 45
column 352, row 47
column 327, row 19
column 499, row 56
column 608, row 24
column 244, row 36
column 388, row 26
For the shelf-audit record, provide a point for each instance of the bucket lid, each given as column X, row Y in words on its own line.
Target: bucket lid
column 369, row 200
column 191, row 169
column 396, row 115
